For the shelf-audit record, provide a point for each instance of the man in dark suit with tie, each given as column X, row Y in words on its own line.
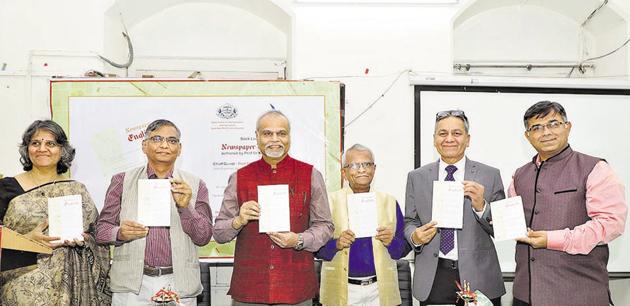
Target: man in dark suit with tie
column 443, row 255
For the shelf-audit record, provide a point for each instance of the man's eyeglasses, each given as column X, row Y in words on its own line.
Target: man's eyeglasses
column 553, row 126
column 454, row 113
column 159, row 139
column 48, row 143
column 357, row 166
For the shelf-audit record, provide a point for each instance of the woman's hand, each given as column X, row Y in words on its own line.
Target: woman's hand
column 37, row 234
column 77, row 242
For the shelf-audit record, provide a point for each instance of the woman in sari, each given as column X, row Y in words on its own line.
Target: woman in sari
column 76, row 272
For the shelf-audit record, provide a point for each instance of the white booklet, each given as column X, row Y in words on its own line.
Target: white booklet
column 65, row 217
column 508, row 219
column 448, row 204
column 154, row 202
column 362, row 214
column 275, row 215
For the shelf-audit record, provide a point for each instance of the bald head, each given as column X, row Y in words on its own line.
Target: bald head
column 272, row 113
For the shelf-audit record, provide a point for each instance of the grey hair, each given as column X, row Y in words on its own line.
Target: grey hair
column 543, row 108
column 457, row 113
column 67, row 151
column 355, row 147
column 158, row 124
column 272, row 112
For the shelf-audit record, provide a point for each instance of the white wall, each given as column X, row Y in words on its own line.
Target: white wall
column 327, row 41
column 611, row 34
column 552, row 39
column 32, row 25
column 36, row 38
column 541, row 32
column 207, row 30
column 345, row 40
column 506, row 34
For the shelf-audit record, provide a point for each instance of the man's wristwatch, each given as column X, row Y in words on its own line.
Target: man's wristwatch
column 300, row 243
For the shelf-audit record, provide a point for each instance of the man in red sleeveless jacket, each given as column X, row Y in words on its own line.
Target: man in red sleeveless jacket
column 574, row 206
column 274, row 268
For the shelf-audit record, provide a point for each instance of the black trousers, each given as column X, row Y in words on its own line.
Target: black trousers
column 444, row 289
column 518, row 302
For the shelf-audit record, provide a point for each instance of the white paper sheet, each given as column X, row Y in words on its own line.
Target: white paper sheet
column 275, row 215
column 154, row 202
column 65, row 217
column 362, row 214
column 508, row 219
column 448, row 204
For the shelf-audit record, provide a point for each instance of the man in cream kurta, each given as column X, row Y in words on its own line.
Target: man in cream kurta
column 362, row 271
column 146, row 259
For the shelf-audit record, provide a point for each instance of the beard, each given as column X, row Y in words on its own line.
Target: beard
column 274, row 153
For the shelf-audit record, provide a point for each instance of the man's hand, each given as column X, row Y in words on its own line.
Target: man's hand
column 425, row 233
column 37, row 234
column 474, row 191
column 385, row 235
column 537, row 239
column 130, row 230
column 181, row 193
column 250, row 210
column 345, row 240
column 284, row 239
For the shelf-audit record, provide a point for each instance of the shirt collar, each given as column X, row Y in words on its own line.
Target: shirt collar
column 151, row 173
column 460, row 164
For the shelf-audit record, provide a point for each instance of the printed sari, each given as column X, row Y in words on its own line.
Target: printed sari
column 71, row 275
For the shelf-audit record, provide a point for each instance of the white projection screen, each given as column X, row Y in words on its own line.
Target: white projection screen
column 106, row 119
column 601, row 127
